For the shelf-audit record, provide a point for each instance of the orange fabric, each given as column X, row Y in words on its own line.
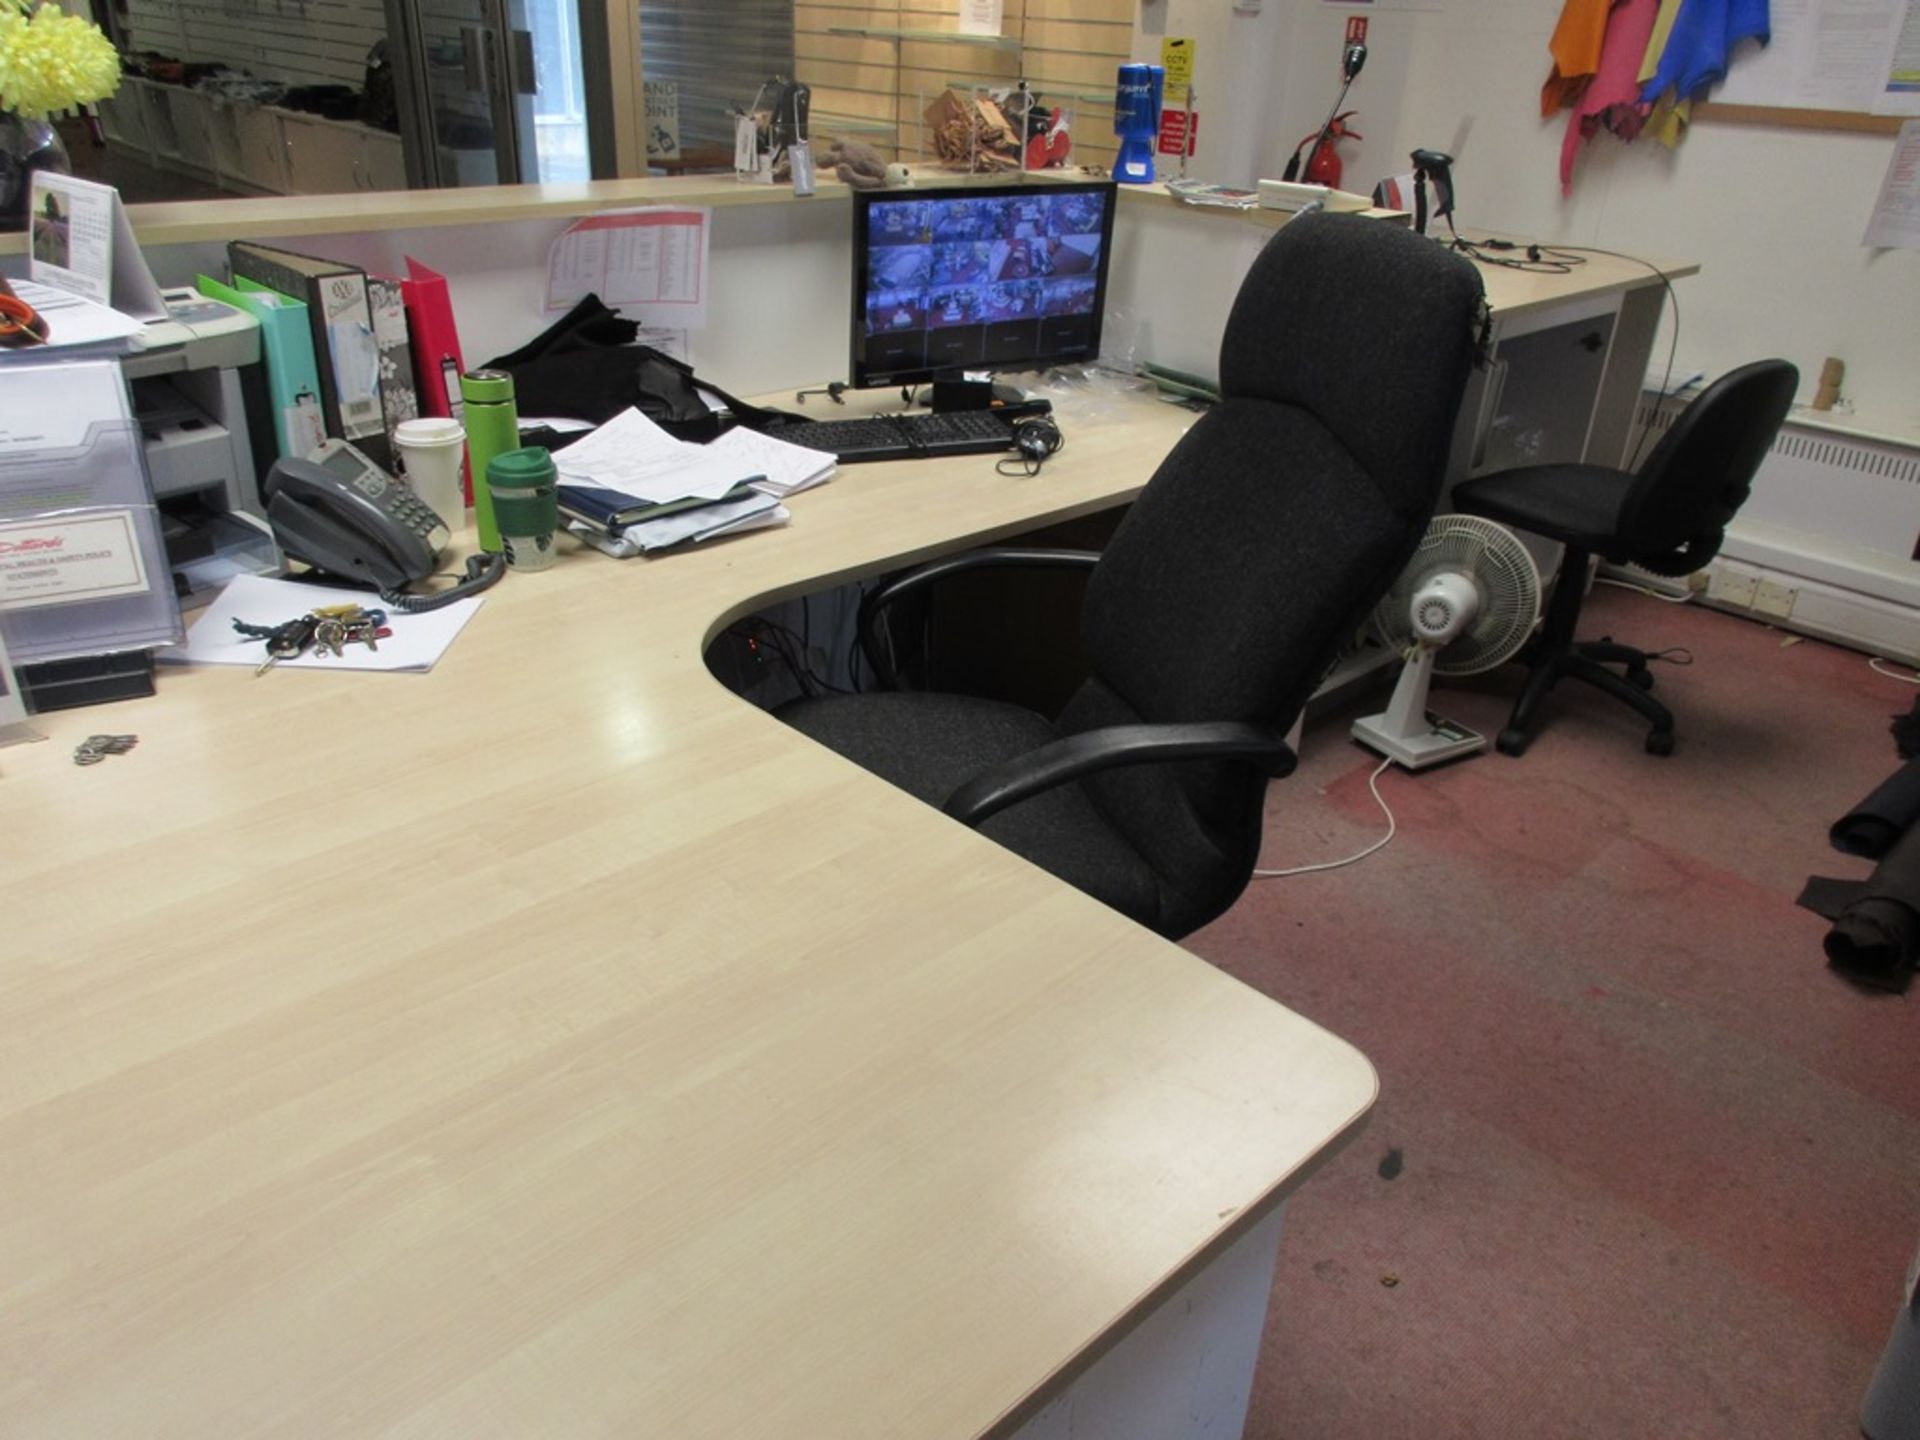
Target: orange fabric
column 1575, row 48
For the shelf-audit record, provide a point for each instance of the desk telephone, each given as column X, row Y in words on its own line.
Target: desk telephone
column 343, row 515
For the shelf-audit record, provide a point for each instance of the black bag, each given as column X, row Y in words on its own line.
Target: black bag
column 586, row 366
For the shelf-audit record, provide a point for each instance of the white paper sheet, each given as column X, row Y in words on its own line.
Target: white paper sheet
column 1896, row 214
column 73, row 321
column 633, row 455
column 62, row 558
column 788, row 468
column 1901, row 94
column 1823, row 55
column 651, row 264
column 50, row 408
column 417, row 642
column 980, row 17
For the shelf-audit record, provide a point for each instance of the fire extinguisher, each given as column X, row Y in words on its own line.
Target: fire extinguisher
column 1323, row 163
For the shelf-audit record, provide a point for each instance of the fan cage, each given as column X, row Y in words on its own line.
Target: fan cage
column 1503, row 575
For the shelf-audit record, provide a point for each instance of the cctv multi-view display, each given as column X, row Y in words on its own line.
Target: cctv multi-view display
column 978, row 278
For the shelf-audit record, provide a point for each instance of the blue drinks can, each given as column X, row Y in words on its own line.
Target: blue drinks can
column 1136, row 120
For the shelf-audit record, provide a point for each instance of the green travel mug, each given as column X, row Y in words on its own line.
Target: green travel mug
column 526, row 505
column 493, row 428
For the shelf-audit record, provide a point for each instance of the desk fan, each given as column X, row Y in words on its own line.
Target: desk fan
column 1466, row 602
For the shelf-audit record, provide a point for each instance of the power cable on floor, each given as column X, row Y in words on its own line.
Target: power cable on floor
column 1879, row 667
column 1644, row 590
column 1373, row 784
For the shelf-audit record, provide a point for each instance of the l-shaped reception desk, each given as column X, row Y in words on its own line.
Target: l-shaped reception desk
column 556, row 1044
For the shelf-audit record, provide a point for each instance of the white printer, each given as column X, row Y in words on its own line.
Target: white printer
column 188, row 380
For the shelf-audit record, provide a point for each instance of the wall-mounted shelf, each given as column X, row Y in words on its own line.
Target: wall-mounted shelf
column 931, row 37
column 1051, row 92
column 1793, row 118
column 835, row 123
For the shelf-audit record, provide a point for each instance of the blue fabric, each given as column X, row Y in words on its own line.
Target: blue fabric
column 1703, row 36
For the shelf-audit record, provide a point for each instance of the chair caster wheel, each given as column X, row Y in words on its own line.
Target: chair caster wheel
column 1512, row 742
column 1642, row 677
column 1659, row 742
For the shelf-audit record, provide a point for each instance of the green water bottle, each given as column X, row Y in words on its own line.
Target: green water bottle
column 493, row 428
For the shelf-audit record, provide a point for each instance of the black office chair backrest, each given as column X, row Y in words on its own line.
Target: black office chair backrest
column 1701, row 472
column 1271, row 530
column 1358, row 324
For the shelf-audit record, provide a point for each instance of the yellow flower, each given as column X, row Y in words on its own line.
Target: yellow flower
column 51, row 61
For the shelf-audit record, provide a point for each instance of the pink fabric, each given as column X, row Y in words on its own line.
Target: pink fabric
column 1613, row 98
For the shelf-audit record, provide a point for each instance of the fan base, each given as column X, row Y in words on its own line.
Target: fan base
column 1417, row 747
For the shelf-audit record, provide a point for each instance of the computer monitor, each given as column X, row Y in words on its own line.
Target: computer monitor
column 978, row 277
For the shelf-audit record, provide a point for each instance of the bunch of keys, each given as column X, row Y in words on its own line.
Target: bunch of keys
column 95, row 748
column 330, row 627
column 286, row 641
column 334, row 633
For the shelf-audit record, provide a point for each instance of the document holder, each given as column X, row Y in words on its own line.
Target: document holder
column 83, row 566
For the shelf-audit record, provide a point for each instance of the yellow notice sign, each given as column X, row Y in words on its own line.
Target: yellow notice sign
column 1176, row 58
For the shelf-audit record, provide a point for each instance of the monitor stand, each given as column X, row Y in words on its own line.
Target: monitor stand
column 951, row 396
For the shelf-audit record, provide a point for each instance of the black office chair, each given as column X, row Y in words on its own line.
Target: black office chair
column 1668, row 518
column 1253, row 555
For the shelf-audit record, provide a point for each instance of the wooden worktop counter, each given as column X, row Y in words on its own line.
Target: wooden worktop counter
column 557, row 1045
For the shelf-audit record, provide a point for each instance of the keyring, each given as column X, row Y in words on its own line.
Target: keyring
column 20, row 323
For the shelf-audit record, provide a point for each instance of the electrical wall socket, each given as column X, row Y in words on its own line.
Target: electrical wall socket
column 1773, row 599
column 1732, row 586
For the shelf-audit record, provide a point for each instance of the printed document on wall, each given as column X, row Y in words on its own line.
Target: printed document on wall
column 1824, row 55
column 649, row 264
column 1902, row 93
column 980, row 17
column 1896, row 214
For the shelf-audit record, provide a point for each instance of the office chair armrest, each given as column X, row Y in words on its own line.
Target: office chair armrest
column 1004, row 557
column 1073, row 756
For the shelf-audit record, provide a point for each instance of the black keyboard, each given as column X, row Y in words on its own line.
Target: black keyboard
column 903, row 437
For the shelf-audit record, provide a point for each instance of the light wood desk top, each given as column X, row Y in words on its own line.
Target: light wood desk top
column 1512, row 293
column 556, row 1045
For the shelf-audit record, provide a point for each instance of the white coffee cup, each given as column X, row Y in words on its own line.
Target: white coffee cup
column 431, row 452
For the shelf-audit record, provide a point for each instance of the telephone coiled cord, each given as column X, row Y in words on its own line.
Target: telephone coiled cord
column 483, row 572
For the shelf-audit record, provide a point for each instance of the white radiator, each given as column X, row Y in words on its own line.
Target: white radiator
column 1825, row 545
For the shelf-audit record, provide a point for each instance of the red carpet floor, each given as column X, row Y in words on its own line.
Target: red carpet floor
column 1642, row 1166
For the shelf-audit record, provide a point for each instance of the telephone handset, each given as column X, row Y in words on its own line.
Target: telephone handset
column 345, row 516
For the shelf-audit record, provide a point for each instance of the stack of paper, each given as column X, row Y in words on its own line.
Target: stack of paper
column 675, row 491
column 77, row 324
column 633, row 455
column 788, row 468
column 710, row 522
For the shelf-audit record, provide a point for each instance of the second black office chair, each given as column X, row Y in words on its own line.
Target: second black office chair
column 1668, row 518
column 1256, row 550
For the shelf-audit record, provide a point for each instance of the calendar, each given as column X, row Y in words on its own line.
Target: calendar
column 79, row 240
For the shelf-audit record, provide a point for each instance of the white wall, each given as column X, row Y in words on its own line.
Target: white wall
column 1774, row 216
column 1237, row 74
column 777, row 313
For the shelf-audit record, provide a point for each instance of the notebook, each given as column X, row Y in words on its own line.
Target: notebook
column 613, row 510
